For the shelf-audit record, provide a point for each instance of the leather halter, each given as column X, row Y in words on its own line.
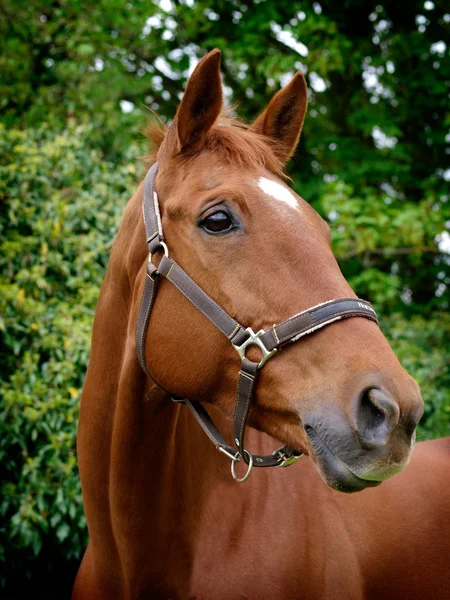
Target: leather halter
column 291, row 330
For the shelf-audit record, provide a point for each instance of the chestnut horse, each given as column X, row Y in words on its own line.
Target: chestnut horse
column 166, row 520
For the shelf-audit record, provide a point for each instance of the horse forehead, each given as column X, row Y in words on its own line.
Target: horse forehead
column 277, row 192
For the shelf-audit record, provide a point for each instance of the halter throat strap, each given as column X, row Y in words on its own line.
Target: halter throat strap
column 291, row 330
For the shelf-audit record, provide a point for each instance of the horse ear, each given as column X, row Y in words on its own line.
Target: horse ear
column 198, row 111
column 282, row 121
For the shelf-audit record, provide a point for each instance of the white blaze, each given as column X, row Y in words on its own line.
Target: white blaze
column 277, row 191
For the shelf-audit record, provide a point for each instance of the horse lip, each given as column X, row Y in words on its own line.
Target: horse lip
column 333, row 470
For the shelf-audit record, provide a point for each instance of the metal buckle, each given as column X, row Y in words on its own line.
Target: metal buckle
column 285, row 460
column 254, row 340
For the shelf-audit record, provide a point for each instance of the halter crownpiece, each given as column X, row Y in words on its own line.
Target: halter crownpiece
column 291, row 330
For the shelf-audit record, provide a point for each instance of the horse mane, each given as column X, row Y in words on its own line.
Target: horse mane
column 234, row 141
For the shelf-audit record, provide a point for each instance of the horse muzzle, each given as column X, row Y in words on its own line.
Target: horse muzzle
column 375, row 443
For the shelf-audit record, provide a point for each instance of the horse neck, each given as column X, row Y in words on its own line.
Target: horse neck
column 139, row 453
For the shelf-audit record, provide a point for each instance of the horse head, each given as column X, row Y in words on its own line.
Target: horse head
column 232, row 222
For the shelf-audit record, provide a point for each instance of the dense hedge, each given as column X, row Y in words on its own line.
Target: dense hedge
column 61, row 206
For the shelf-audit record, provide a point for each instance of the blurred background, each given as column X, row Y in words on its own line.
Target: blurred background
column 75, row 80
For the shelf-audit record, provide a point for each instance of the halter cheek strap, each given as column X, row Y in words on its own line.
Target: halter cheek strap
column 291, row 330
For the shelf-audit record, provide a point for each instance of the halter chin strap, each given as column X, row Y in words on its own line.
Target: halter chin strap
column 291, row 330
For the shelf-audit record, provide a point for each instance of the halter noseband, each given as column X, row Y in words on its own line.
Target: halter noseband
column 291, row 330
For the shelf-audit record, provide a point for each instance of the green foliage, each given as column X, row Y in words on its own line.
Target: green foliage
column 61, row 206
column 380, row 240
column 378, row 77
column 423, row 349
column 373, row 159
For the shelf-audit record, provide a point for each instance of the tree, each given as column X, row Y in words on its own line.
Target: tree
column 75, row 78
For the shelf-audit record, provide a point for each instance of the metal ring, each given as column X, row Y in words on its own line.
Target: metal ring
column 162, row 245
column 233, row 469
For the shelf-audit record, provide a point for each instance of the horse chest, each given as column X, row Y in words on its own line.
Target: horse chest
column 259, row 546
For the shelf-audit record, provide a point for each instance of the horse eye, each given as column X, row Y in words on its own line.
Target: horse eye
column 217, row 222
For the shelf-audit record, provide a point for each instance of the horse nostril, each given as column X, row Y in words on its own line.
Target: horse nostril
column 376, row 415
column 374, row 412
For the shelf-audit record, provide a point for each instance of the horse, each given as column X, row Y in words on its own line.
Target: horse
column 234, row 244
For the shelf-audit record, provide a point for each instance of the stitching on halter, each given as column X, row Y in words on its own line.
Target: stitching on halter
column 246, row 375
column 149, row 239
column 233, row 332
column 158, row 214
column 312, row 329
column 243, row 423
column 275, row 333
column 308, row 310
